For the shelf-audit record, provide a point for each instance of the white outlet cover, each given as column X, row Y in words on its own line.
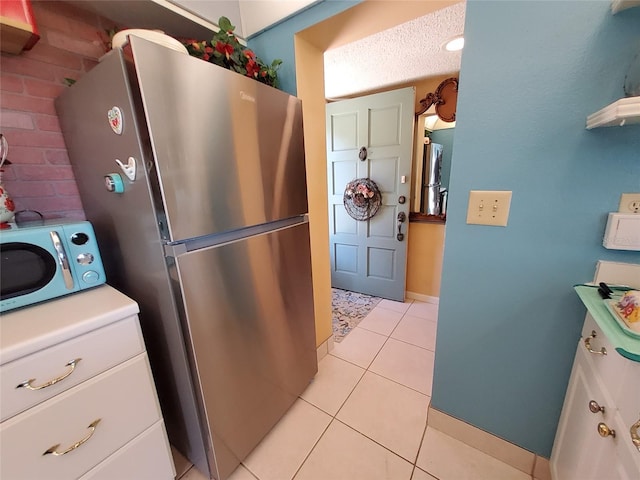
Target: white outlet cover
column 626, row 202
column 489, row 207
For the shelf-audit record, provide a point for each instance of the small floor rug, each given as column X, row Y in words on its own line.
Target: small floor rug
column 348, row 308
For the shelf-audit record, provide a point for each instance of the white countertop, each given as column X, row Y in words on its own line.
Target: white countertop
column 28, row 330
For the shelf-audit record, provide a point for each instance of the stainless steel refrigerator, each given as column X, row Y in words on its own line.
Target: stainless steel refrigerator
column 194, row 180
column 430, row 197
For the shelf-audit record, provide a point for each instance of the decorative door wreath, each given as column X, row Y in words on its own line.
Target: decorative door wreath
column 362, row 198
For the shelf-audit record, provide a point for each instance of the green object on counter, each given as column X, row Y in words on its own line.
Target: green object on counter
column 624, row 344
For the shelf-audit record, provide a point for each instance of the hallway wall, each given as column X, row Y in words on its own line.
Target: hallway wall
column 509, row 319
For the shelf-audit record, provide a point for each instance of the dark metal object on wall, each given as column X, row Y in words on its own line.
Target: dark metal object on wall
column 445, row 99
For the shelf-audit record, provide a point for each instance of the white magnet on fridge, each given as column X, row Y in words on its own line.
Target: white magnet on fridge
column 129, row 169
column 115, row 120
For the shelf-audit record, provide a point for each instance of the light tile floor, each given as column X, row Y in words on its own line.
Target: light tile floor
column 364, row 415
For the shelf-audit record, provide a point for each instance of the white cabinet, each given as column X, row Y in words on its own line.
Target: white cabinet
column 619, row 5
column 603, row 397
column 78, row 398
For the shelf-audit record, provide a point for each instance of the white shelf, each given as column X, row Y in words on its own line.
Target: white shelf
column 617, row 5
column 622, row 112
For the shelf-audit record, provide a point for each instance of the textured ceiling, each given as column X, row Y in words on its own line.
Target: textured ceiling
column 407, row 52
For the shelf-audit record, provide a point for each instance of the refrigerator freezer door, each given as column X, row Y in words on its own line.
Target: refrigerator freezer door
column 127, row 232
column 229, row 150
column 249, row 306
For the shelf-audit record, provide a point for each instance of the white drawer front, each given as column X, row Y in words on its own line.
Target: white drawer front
column 147, row 457
column 99, row 350
column 627, row 466
column 609, row 367
column 628, row 401
column 123, row 398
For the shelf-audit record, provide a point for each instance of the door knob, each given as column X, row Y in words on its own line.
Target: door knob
column 362, row 154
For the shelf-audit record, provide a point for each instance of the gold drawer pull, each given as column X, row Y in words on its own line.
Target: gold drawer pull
column 54, row 449
column 29, row 383
column 635, row 438
column 587, row 345
column 605, row 431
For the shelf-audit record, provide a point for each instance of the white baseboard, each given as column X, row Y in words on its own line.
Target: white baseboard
column 524, row 460
column 422, row 298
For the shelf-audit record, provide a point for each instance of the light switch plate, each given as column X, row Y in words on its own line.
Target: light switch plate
column 488, row 207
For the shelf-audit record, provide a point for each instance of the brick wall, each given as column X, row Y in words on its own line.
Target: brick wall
column 40, row 177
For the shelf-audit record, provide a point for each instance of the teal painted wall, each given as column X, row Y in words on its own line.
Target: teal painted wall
column 509, row 320
column 277, row 42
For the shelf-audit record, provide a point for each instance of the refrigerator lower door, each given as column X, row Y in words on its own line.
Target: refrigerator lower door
column 432, row 200
column 248, row 309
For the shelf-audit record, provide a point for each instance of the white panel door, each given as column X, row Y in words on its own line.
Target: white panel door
column 370, row 256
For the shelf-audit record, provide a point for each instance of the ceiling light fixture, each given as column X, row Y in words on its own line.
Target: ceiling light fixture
column 454, row 44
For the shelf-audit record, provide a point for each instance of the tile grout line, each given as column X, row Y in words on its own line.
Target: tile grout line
column 404, row 314
column 312, row 448
column 397, row 339
column 345, row 401
column 366, row 370
column 375, row 441
column 385, row 342
column 424, row 435
column 376, row 356
column 397, row 383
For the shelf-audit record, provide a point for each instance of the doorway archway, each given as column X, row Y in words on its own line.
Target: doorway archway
column 310, row 44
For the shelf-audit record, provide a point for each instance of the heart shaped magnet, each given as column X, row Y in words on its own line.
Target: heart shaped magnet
column 115, row 120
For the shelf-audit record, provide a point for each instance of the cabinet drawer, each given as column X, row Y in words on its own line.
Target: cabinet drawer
column 579, row 453
column 628, row 399
column 627, row 464
column 98, row 350
column 122, row 398
column 146, row 457
column 610, row 367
